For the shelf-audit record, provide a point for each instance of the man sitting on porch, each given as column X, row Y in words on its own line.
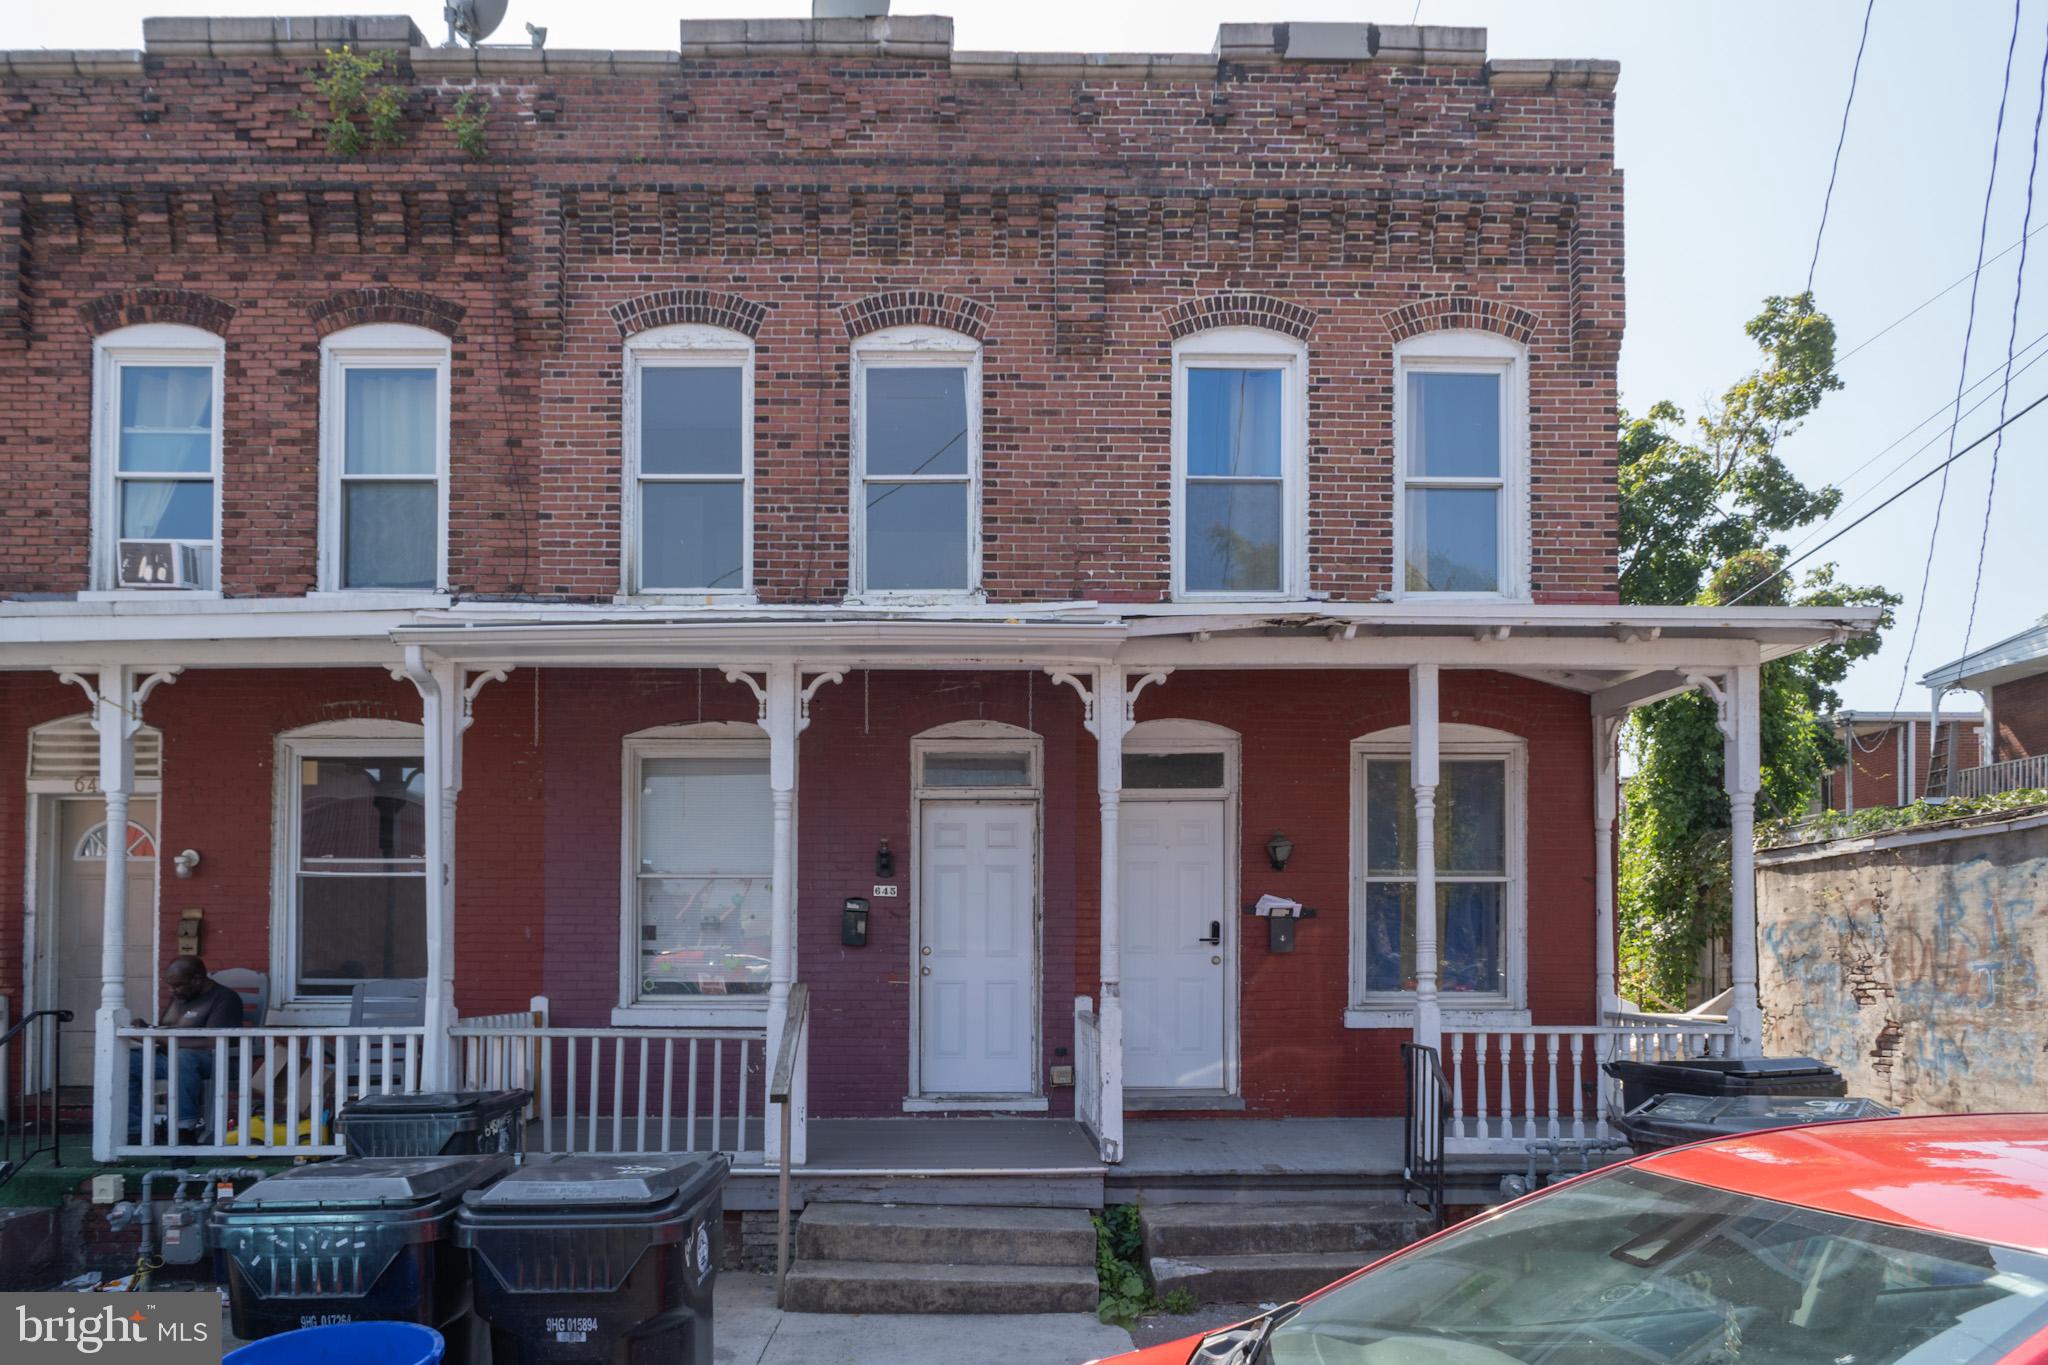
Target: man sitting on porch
column 197, row 1001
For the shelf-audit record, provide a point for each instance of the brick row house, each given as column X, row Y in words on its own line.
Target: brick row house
column 2011, row 752
column 894, row 554
column 1895, row 758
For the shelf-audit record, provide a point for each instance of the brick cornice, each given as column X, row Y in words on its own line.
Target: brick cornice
column 1441, row 311
column 915, row 308
column 128, row 307
column 668, row 307
column 1239, row 310
column 353, row 307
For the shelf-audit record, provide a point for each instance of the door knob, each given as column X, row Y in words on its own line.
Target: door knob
column 926, row 950
column 1215, row 933
column 924, row 971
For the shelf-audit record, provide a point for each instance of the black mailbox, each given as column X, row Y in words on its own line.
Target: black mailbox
column 853, row 922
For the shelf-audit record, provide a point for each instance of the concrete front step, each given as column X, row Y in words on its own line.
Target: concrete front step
column 922, row 1287
column 1255, row 1278
column 945, row 1235
column 1194, row 1231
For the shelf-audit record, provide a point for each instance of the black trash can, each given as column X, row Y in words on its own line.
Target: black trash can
column 350, row 1241
column 1673, row 1120
column 598, row 1258
column 438, row 1123
column 1725, row 1076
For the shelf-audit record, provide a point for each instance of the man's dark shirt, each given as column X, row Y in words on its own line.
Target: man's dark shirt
column 215, row 1007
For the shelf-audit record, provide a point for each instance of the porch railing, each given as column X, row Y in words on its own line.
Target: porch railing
column 1088, row 1068
column 2015, row 774
column 31, row 1088
column 267, row 1090
column 1511, row 1086
column 628, row 1089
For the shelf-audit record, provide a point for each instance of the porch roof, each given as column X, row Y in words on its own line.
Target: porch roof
column 1623, row 655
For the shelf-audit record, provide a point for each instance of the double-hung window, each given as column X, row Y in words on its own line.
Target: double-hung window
column 699, row 836
column 157, row 457
column 689, row 458
column 1479, row 870
column 1461, row 509
column 352, row 816
column 1240, row 510
column 917, row 463
column 384, row 420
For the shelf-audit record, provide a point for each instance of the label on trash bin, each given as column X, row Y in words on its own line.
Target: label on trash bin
column 703, row 1251
column 571, row 1329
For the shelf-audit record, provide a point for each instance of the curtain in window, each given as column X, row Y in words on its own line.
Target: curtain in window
column 706, row 854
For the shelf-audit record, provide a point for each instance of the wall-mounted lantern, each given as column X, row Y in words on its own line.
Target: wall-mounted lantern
column 1279, row 849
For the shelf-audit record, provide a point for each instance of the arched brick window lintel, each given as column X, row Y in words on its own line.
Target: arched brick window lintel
column 704, row 307
column 1239, row 310
column 1440, row 312
column 414, row 307
column 129, row 307
column 915, row 308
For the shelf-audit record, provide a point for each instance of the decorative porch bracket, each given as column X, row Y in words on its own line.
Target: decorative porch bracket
column 1736, row 706
column 783, row 700
column 1106, row 710
column 447, row 700
column 116, row 698
column 1606, row 732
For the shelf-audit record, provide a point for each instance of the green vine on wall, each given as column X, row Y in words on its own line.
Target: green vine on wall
column 466, row 122
column 1834, row 824
column 362, row 113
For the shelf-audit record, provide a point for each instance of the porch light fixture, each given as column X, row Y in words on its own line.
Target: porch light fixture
column 186, row 862
column 1279, row 849
column 885, row 862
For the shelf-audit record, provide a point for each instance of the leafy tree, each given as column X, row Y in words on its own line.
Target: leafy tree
column 1703, row 508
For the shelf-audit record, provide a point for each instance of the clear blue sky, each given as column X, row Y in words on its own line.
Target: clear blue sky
column 1727, row 119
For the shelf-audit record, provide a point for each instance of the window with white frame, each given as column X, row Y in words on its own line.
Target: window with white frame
column 157, row 458
column 689, row 460
column 384, row 459
column 352, row 813
column 700, row 858
column 1460, row 430
column 1240, row 464
column 1480, row 873
column 917, row 463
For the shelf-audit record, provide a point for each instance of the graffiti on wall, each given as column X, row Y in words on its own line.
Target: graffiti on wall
column 1918, row 970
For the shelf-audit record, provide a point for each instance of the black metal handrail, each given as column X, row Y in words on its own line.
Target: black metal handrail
column 33, row 1121
column 781, row 1090
column 1428, row 1113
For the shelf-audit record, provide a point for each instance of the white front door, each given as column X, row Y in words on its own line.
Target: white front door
column 977, row 963
column 80, row 919
column 1176, row 922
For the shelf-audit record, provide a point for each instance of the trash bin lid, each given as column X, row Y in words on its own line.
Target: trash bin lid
column 1755, row 1066
column 1746, row 1113
column 436, row 1102
column 373, row 1182
column 585, row 1180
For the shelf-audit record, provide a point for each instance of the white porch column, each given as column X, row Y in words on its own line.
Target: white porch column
column 1742, row 768
column 1423, row 773
column 1605, row 729
column 116, row 715
column 785, row 713
column 1106, row 714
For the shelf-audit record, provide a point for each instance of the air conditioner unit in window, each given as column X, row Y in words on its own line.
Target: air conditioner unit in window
column 162, row 564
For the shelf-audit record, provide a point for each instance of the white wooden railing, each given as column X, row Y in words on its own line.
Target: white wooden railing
column 2015, row 774
column 1512, row 1086
column 1088, row 1068
column 305, row 1075
column 627, row 1089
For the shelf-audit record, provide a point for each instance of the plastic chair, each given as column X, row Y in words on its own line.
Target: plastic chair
column 253, row 987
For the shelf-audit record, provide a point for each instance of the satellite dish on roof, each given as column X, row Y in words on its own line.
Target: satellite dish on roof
column 472, row 21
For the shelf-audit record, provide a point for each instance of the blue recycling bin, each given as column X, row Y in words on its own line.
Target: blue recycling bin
column 346, row 1343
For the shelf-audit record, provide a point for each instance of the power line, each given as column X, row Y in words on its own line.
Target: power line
column 1841, row 137
column 1969, row 327
column 2019, row 291
column 1936, row 297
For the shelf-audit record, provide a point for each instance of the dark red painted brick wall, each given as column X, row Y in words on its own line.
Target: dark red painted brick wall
column 1082, row 219
column 538, row 842
column 2019, row 710
column 1876, row 761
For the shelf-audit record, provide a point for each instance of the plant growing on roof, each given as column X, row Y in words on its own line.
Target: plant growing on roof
column 362, row 112
column 466, row 122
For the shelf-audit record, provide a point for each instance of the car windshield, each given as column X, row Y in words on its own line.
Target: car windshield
column 1633, row 1267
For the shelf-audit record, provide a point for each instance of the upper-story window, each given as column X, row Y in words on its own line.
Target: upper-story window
column 384, row 459
column 917, row 463
column 157, row 457
column 689, row 461
column 1460, row 430
column 1240, row 464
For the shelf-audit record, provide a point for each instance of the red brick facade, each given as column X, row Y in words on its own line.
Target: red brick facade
column 2019, row 717
column 1076, row 224
column 1875, row 755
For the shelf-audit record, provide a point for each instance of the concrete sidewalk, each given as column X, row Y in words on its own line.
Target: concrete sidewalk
column 750, row 1330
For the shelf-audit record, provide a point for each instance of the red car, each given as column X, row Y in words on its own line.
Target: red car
column 1910, row 1240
